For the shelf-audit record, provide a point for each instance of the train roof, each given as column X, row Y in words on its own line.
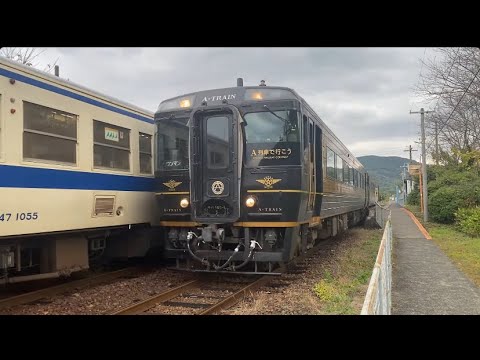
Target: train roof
column 31, row 72
column 218, row 95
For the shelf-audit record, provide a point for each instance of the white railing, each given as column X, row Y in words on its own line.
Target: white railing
column 381, row 215
column 378, row 300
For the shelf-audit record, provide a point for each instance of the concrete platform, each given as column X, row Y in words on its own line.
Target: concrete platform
column 425, row 281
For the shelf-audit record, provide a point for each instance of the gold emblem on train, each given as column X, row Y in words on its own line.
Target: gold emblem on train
column 268, row 181
column 172, row 184
column 218, row 187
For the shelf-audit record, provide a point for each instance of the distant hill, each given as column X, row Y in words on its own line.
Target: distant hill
column 386, row 170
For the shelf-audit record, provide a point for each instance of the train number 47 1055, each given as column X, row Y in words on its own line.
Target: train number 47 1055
column 18, row 216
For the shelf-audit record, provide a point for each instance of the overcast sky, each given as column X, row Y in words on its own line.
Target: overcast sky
column 363, row 94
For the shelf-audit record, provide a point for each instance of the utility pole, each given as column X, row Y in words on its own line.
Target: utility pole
column 424, row 162
column 410, row 149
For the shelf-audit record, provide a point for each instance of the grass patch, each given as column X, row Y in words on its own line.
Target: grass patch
column 342, row 291
column 462, row 249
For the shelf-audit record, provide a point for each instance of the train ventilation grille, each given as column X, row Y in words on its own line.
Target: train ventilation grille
column 104, row 205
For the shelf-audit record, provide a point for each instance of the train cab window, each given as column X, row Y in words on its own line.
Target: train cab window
column 339, row 164
column 49, row 134
column 111, row 146
column 272, row 139
column 330, row 163
column 264, row 127
column 172, row 146
column 145, row 142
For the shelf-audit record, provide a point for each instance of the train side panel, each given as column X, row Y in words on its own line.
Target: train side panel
column 41, row 197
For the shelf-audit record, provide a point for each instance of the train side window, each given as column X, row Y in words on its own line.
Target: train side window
column 305, row 132
column 346, row 174
column 145, row 142
column 111, row 146
column 311, row 139
column 339, row 163
column 311, row 134
column 330, row 163
column 49, row 134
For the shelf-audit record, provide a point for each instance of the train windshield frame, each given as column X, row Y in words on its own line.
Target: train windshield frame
column 172, row 144
column 272, row 137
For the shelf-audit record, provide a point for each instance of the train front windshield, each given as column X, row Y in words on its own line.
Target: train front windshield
column 272, row 138
column 172, row 144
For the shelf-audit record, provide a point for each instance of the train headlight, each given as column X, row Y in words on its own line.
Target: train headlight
column 251, row 201
column 185, row 103
column 257, row 96
column 184, row 203
column 178, row 103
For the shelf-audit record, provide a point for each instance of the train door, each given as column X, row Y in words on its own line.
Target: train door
column 214, row 165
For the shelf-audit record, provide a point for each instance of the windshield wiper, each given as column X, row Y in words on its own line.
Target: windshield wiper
column 270, row 111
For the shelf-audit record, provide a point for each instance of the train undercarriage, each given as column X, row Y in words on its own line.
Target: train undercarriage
column 56, row 255
column 248, row 250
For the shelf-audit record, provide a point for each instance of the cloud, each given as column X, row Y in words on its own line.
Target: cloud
column 363, row 94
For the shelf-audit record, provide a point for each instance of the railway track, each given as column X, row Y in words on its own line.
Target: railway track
column 62, row 288
column 195, row 289
column 225, row 294
column 205, row 294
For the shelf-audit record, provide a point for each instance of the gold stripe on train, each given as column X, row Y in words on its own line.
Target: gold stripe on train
column 287, row 191
column 313, row 221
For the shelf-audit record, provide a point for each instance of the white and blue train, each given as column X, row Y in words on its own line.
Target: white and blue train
column 76, row 175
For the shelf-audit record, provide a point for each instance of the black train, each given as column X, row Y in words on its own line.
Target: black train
column 250, row 177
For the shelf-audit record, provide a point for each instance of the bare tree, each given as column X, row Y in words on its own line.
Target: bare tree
column 452, row 78
column 26, row 56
